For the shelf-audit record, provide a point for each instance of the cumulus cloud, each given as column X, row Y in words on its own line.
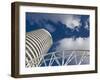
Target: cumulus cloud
column 73, row 21
column 87, row 24
column 70, row 44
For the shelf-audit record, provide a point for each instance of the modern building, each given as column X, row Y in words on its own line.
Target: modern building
column 38, row 42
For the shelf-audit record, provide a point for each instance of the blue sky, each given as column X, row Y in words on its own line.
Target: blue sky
column 62, row 27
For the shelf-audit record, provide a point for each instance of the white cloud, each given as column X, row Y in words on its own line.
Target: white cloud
column 86, row 24
column 73, row 21
column 70, row 44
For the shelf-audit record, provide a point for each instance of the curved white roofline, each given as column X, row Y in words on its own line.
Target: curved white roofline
column 48, row 34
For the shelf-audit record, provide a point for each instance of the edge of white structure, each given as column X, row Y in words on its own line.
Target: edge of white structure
column 48, row 34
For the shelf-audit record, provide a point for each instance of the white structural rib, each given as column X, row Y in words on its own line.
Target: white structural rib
column 70, row 57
